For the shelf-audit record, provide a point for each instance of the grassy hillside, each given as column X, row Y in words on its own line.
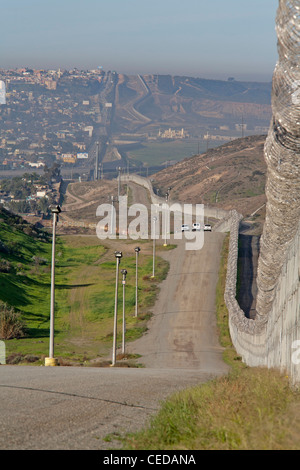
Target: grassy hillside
column 248, row 409
column 23, row 250
column 84, row 294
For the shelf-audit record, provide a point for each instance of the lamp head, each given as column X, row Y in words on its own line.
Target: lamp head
column 118, row 254
column 55, row 209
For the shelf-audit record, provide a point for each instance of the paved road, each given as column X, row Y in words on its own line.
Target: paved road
column 76, row 407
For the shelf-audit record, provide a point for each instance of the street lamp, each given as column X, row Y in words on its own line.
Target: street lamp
column 154, row 235
column 51, row 361
column 118, row 255
column 137, row 250
column 124, row 272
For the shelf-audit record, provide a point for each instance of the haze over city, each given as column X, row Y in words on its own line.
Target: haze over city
column 213, row 39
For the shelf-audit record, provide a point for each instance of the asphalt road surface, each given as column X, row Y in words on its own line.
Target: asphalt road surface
column 74, row 408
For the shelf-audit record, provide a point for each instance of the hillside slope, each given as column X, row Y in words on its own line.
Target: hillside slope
column 24, row 255
column 231, row 176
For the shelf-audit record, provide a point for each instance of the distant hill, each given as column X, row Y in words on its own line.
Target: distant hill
column 148, row 101
column 231, row 176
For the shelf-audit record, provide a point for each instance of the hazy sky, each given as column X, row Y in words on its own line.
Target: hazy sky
column 203, row 38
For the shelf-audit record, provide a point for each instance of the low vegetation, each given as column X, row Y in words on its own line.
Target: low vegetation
column 164, row 152
column 249, row 409
column 253, row 409
column 84, row 294
column 11, row 324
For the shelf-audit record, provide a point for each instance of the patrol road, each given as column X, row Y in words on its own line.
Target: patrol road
column 77, row 407
column 182, row 332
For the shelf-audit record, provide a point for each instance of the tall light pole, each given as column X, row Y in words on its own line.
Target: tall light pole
column 51, row 361
column 154, row 235
column 118, row 255
column 124, row 272
column 137, row 250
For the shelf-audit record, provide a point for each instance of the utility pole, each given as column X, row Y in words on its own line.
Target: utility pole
column 124, row 272
column 51, row 361
column 153, row 263
column 137, row 250
column 118, row 255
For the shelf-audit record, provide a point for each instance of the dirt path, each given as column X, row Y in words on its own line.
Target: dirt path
column 139, row 194
column 182, row 332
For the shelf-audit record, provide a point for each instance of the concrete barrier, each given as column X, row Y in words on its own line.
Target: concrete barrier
column 272, row 341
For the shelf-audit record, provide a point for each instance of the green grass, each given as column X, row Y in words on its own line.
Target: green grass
column 248, row 409
column 157, row 153
column 84, row 294
column 251, row 410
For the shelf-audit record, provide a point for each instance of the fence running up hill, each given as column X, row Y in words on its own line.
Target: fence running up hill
column 269, row 341
column 272, row 341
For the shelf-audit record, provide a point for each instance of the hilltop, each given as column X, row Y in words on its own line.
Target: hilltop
column 231, row 176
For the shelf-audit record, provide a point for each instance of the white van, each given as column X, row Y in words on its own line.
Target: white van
column 196, row 227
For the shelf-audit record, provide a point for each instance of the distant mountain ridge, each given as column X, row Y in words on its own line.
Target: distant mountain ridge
column 198, row 104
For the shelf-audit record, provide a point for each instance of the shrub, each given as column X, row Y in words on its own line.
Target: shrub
column 11, row 324
column 5, row 266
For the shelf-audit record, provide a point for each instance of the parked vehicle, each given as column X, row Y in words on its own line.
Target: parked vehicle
column 185, row 228
column 196, row 227
column 207, row 228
